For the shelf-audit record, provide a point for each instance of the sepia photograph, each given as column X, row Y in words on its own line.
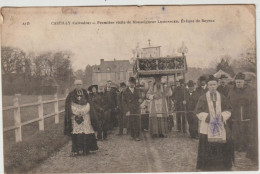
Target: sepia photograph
column 129, row 89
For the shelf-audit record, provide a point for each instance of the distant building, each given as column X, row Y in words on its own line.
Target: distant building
column 117, row 71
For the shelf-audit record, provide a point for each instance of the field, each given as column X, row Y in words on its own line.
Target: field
column 36, row 140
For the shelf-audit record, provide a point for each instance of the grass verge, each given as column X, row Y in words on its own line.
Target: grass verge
column 23, row 156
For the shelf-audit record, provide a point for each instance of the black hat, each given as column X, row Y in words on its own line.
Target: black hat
column 122, row 84
column 91, row 86
column 240, row 76
column 212, row 78
column 132, row 80
column 190, row 83
column 202, row 78
column 181, row 81
column 223, row 76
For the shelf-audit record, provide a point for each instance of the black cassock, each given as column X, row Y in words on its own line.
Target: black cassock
column 215, row 156
column 80, row 141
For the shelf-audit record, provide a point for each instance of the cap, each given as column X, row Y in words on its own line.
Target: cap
column 212, row 78
column 240, row 76
column 132, row 80
column 190, row 83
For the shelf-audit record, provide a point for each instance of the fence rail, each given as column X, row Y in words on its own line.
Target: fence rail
column 17, row 114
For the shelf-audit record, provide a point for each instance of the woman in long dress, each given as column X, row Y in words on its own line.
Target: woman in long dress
column 158, row 121
column 80, row 121
column 215, row 152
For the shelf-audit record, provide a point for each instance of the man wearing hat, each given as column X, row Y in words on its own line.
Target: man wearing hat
column 132, row 98
column 243, row 102
column 191, row 98
column 111, row 97
column 202, row 88
column 178, row 98
column 215, row 150
column 121, row 109
column 223, row 87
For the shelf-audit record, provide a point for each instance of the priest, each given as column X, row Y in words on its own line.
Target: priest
column 158, row 108
column 215, row 151
column 80, row 121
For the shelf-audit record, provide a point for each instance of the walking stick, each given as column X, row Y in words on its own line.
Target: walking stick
column 185, row 108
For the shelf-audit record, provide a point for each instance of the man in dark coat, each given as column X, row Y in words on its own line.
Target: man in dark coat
column 132, row 98
column 178, row 98
column 111, row 97
column 243, row 102
column 202, row 88
column 98, row 101
column 80, row 120
column 121, row 109
column 223, row 87
column 191, row 99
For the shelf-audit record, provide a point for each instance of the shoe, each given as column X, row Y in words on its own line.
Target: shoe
column 161, row 135
column 137, row 139
column 86, row 153
column 73, row 154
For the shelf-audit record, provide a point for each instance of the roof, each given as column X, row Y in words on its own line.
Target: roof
column 113, row 66
column 221, row 72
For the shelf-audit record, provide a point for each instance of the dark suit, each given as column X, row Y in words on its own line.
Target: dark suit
column 191, row 102
column 178, row 96
column 110, row 107
column 200, row 91
column 121, row 112
column 133, row 106
column 223, row 90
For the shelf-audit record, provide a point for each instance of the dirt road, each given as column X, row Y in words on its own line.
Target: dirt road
column 176, row 153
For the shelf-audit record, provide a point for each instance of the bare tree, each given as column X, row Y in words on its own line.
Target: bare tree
column 12, row 60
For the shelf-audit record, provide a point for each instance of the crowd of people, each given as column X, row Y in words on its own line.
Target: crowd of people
column 223, row 116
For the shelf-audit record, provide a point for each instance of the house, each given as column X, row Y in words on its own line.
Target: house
column 116, row 70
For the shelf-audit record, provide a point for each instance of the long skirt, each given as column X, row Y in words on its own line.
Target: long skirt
column 158, row 125
column 84, row 142
column 214, row 156
column 241, row 135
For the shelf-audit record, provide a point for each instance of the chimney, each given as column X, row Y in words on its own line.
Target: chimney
column 101, row 61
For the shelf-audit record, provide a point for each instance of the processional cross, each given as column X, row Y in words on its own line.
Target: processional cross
column 183, row 49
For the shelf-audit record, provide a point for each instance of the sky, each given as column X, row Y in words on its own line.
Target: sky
column 232, row 31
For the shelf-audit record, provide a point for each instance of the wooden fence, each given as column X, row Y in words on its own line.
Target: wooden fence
column 17, row 114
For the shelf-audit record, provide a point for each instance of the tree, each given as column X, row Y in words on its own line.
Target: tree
column 79, row 74
column 12, row 60
column 224, row 65
column 88, row 75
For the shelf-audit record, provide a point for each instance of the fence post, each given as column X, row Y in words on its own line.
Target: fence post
column 17, row 120
column 40, row 113
column 56, row 108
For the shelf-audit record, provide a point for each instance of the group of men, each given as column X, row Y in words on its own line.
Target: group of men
column 123, row 108
column 242, row 99
column 113, row 106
